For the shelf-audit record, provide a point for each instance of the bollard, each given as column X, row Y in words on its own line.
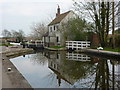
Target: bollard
column 99, row 48
column 9, row 69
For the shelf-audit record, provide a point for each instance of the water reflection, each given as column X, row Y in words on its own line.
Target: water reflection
column 95, row 72
column 39, row 58
column 70, row 71
column 77, row 56
column 75, row 70
column 23, row 55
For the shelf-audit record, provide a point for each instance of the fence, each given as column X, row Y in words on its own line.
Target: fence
column 77, row 45
column 35, row 44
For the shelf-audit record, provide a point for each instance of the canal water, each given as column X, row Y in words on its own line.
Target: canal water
column 53, row 69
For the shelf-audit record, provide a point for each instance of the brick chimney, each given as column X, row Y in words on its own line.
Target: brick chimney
column 58, row 11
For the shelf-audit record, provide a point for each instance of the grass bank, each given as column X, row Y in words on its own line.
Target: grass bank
column 56, row 47
column 6, row 45
column 113, row 50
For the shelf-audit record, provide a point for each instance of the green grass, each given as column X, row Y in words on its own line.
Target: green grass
column 6, row 45
column 56, row 47
column 113, row 50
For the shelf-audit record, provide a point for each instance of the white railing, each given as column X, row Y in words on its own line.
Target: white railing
column 36, row 43
column 77, row 57
column 77, row 45
column 15, row 43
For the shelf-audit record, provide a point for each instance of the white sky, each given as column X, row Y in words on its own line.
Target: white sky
column 21, row 14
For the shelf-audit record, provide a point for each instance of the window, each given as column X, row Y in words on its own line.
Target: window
column 50, row 29
column 51, row 64
column 57, row 39
column 57, row 56
column 54, row 66
column 54, row 27
column 57, row 27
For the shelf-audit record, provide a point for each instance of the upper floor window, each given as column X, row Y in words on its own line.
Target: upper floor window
column 51, row 29
column 57, row 27
column 54, row 27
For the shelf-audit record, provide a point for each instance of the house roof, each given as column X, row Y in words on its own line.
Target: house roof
column 59, row 18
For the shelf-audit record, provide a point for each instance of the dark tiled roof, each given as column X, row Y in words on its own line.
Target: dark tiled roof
column 59, row 18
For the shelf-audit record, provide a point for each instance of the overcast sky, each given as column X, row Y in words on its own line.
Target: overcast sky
column 21, row 14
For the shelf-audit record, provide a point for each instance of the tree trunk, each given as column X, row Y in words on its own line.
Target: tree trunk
column 113, row 26
column 107, row 22
column 103, row 14
column 97, row 22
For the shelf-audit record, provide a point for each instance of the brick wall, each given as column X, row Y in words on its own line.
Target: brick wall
column 95, row 42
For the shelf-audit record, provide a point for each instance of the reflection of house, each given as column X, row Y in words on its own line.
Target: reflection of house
column 77, row 57
column 55, row 57
column 67, row 70
column 56, row 64
column 55, row 37
column 82, row 74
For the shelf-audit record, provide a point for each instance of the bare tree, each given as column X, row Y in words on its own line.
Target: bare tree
column 100, row 13
column 38, row 30
column 18, row 35
column 6, row 34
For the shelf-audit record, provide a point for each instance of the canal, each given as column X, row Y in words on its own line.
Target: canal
column 60, row 69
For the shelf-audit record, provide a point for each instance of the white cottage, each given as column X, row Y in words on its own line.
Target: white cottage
column 54, row 37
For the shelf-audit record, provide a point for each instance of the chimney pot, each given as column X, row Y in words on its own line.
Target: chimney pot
column 58, row 11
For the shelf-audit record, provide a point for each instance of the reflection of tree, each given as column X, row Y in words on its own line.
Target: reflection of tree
column 38, row 58
column 115, row 73
column 105, row 78
column 81, row 72
column 69, row 70
column 98, row 75
column 51, row 77
column 102, row 75
column 76, row 70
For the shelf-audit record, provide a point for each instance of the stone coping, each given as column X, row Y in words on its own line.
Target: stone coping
column 101, row 52
column 13, row 78
column 54, row 49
